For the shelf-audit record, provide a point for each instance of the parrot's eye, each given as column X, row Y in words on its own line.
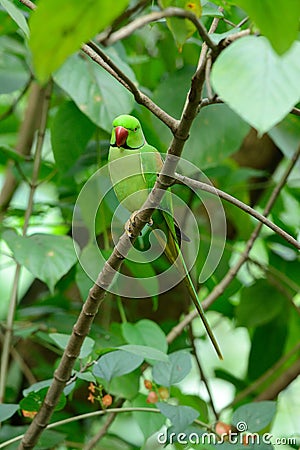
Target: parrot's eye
column 135, row 129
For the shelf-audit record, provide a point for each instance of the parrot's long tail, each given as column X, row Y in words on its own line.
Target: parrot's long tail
column 194, row 296
column 172, row 250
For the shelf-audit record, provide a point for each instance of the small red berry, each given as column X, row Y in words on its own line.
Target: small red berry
column 249, row 439
column 223, row 429
column 148, row 384
column 107, row 400
column 152, row 397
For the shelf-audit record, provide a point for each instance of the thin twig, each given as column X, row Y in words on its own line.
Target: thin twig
column 207, row 78
column 105, row 427
column 195, row 184
column 263, row 378
column 14, row 293
column 158, row 15
column 12, row 107
column 295, row 111
column 278, row 385
column 102, row 37
column 29, row 4
column 210, row 101
column 242, row 22
column 102, row 413
column 211, row 30
column 233, row 37
column 231, row 274
column 201, row 372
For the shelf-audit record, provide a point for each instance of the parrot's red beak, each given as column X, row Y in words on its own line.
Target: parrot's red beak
column 121, row 136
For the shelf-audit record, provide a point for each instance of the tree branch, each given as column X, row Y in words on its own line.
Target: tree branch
column 102, row 37
column 281, row 383
column 103, row 430
column 195, row 184
column 94, row 52
column 231, row 274
column 268, row 374
column 26, row 135
column 102, row 413
column 295, row 111
column 154, row 17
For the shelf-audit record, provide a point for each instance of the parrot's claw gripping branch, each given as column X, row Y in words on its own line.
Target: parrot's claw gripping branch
column 131, row 225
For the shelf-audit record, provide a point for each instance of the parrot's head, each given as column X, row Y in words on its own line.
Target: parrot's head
column 127, row 133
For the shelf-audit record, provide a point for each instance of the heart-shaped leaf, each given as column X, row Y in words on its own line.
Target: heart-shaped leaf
column 256, row 416
column 174, row 370
column 46, row 256
column 261, row 86
column 115, row 364
column 145, row 332
column 180, row 416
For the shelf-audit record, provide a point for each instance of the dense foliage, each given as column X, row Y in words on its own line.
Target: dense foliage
column 147, row 356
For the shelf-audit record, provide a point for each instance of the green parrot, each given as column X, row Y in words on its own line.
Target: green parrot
column 132, row 179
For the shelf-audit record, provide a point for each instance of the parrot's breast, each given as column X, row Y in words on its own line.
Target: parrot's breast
column 127, row 178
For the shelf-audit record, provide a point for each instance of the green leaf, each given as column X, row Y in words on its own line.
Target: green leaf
column 217, row 131
column 125, row 386
column 37, row 386
column 34, row 400
column 10, row 153
column 50, row 439
column 286, row 135
column 180, row 416
column 100, row 96
column 193, row 401
column 173, row 371
column 115, row 364
column 7, row 410
column 209, row 144
column 16, row 15
column 86, row 376
column 47, row 257
column 181, row 28
column 62, row 340
column 13, row 74
column 145, row 332
column 266, row 86
column 70, row 132
column 270, row 17
column 69, row 24
column 146, row 352
column 256, row 415
column 259, row 304
column 267, row 346
column 148, row 423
